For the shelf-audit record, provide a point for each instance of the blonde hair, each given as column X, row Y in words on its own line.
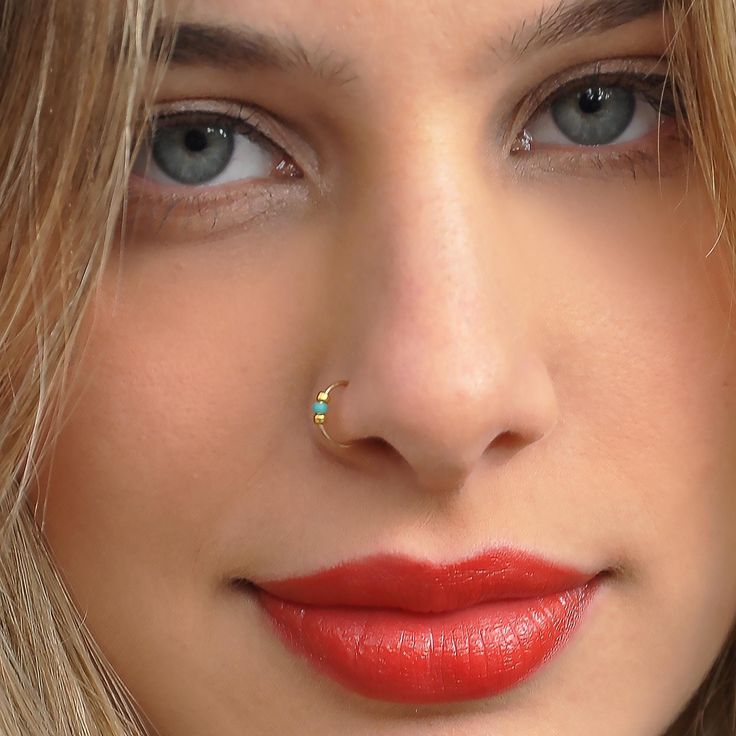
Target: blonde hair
column 704, row 69
column 74, row 77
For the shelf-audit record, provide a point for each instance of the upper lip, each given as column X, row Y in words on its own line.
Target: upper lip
column 390, row 581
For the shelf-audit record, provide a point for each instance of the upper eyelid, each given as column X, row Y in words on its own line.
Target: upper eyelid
column 622, row 68
column 630, row 79
column 537, row 94
column 247, row 125
column 260, row 125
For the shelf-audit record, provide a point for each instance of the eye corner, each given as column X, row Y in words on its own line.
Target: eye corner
column 553, row 120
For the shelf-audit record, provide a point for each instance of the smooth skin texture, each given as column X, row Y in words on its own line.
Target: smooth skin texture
column 539, row 353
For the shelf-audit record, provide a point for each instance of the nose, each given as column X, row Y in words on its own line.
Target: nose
column 436, row 328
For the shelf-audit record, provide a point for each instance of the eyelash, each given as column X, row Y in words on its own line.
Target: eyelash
column 641, row 82
column 654, row 88
column 242, row 122
column 239, row 118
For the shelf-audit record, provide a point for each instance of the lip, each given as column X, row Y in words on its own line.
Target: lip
column 404, row 630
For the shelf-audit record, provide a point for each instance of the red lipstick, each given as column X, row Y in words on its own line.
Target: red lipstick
column 405, row 630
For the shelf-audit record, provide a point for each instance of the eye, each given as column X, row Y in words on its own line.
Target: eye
column 205, row 149
column 595, row 116
column 616, row 102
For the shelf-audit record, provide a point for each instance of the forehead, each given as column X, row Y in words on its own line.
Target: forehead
column 356, row 12
column 414, row 13
column 335, row 33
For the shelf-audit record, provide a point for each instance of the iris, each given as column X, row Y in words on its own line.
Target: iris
column 595, row 116
column 191, row 154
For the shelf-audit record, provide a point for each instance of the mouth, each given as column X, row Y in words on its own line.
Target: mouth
column 403, row 630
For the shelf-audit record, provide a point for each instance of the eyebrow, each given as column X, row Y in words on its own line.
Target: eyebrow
column 566, row 21
column 242, row 47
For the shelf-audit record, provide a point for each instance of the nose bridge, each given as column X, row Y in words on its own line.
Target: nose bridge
column 443, row 293
column 434, row 244
column 440, row 363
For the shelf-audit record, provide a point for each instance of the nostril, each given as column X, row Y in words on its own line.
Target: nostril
column 509, row 444
column 507, row 439
column 378, row 447
column 378, row 443
column 375, row 444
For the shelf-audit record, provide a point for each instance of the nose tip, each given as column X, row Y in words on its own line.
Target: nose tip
column 444, row 429
column 438, row 331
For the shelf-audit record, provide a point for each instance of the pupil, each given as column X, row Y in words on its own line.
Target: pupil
column 195, row 140
column 591, row 101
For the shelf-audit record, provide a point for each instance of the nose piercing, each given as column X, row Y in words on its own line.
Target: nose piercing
column 320, row 409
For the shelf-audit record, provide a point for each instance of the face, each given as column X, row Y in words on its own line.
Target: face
column 478, row 217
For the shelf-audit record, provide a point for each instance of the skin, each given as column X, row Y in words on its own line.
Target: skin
column 539, row 353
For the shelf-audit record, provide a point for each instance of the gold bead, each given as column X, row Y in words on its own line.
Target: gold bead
column 322, row 396
column 319, row 418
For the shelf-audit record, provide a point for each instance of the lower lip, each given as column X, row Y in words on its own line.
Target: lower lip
column 399, row 656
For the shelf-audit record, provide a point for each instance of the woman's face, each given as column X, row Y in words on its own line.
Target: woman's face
column 474, row 214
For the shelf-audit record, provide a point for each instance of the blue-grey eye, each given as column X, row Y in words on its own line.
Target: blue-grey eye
column 595, row 116
column 202, row 153
column 192, row 154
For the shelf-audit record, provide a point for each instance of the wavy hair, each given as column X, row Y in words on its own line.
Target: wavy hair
column 73, row 79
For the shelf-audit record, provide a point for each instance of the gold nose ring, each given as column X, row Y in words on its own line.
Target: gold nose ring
column 320, row 409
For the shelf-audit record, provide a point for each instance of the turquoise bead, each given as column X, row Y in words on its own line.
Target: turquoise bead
column 320, row 407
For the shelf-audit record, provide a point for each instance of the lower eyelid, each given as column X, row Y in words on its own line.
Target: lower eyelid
column 195, row 215
column 660, row 154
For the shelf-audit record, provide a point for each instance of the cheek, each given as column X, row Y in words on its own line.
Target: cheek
column 180, row 392
column 645, row 367
column 192, row 411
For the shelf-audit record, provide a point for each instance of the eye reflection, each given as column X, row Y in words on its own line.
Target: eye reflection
column 209, row 150
column 594, row 114
column 193, row 154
